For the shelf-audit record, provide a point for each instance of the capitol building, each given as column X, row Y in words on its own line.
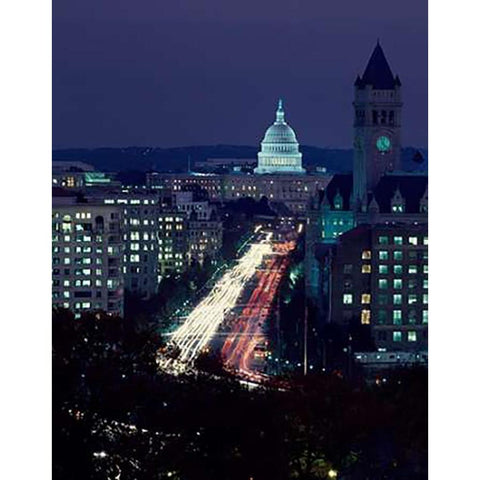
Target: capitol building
column 278, row 176
column 279, row 148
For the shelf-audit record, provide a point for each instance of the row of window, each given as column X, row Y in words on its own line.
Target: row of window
column 384, row 269
column 397, row 317
column 397, row 298
column 399, row 240
column 398, row 283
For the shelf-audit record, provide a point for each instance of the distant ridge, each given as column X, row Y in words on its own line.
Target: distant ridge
column 176, row 159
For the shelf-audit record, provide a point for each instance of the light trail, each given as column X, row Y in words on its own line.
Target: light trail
column 247, row 332
column 202, row 323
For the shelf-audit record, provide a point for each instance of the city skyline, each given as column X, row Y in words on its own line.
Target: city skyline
column 192, row 79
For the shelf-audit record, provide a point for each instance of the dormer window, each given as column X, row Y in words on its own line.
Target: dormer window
column 398, row 203
column 397, row 208
column 338, row 202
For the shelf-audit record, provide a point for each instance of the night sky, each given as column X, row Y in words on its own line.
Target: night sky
column 192, row 72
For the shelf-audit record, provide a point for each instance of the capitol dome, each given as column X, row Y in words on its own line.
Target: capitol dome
column 279, row 148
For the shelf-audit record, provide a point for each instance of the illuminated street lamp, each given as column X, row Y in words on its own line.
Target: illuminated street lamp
column 332, row 473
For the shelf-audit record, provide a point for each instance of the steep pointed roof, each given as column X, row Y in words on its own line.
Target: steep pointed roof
column 378, row 73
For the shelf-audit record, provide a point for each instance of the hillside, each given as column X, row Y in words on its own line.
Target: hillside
column 176, row 159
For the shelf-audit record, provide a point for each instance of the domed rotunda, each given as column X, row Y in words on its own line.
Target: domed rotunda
column 279, row 148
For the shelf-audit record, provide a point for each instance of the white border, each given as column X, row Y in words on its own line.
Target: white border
column 25, row 106
column 454, row 113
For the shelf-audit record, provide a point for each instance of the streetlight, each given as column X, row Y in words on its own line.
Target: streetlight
column 332, row 473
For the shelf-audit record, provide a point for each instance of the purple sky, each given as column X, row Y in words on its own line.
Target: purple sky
column 184, row 72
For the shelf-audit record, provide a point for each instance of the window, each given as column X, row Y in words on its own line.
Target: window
column 425, row 283
column 366, row 298
column 382, row 335
column 412, row 269
column 383, row 255
column 383, row 269
column 366, row 269
column 366, row 255
column 412, row 283
column 382, row 299
column 397, row 317
column 412, row 317
column 347, row 268
column 398, row 240
column 398, row 269
column 382, row 283
column 412, row 298
column 425, row 298
column 425, row 316
column 347, row 298
column 412, row 255
column 365, row 317
column 134, row 258
column 398, row 255
column 382, row 317
column 397, row 299
column 397, row 336
column 412, row 336
column 413, row 240
column 382, row 240
column 425, row 269
column 425, row 240
column 397, row 283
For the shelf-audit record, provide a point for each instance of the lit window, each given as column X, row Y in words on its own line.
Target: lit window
column 397, row 336
column 398, row 240
column 412, row 298
column 382, row 283
column 366, row 269
column 397, row 283
column 412, row 269
column 425, row 269
column 397, row 269
column 397, row 317
column 425, row 316
column 383, row 240
column 398, row 255
column 412, row 336
column 425, row 298
column 366, row 255
column 347, row 298
column 366, row 298
column 413, row 240
column 425, row 240
column 425, row 283
column 383, row 269
column 383, row 255
column 397, row 299
column 134, row 258
column 365, row 318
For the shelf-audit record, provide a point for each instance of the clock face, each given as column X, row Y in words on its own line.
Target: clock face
column 383, row 144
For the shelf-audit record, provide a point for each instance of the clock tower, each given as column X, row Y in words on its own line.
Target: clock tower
column 377, row 125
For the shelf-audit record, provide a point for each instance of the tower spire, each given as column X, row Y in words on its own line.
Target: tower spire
column 280, row 118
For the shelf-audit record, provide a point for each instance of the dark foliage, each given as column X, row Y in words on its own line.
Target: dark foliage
column 114, row 415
